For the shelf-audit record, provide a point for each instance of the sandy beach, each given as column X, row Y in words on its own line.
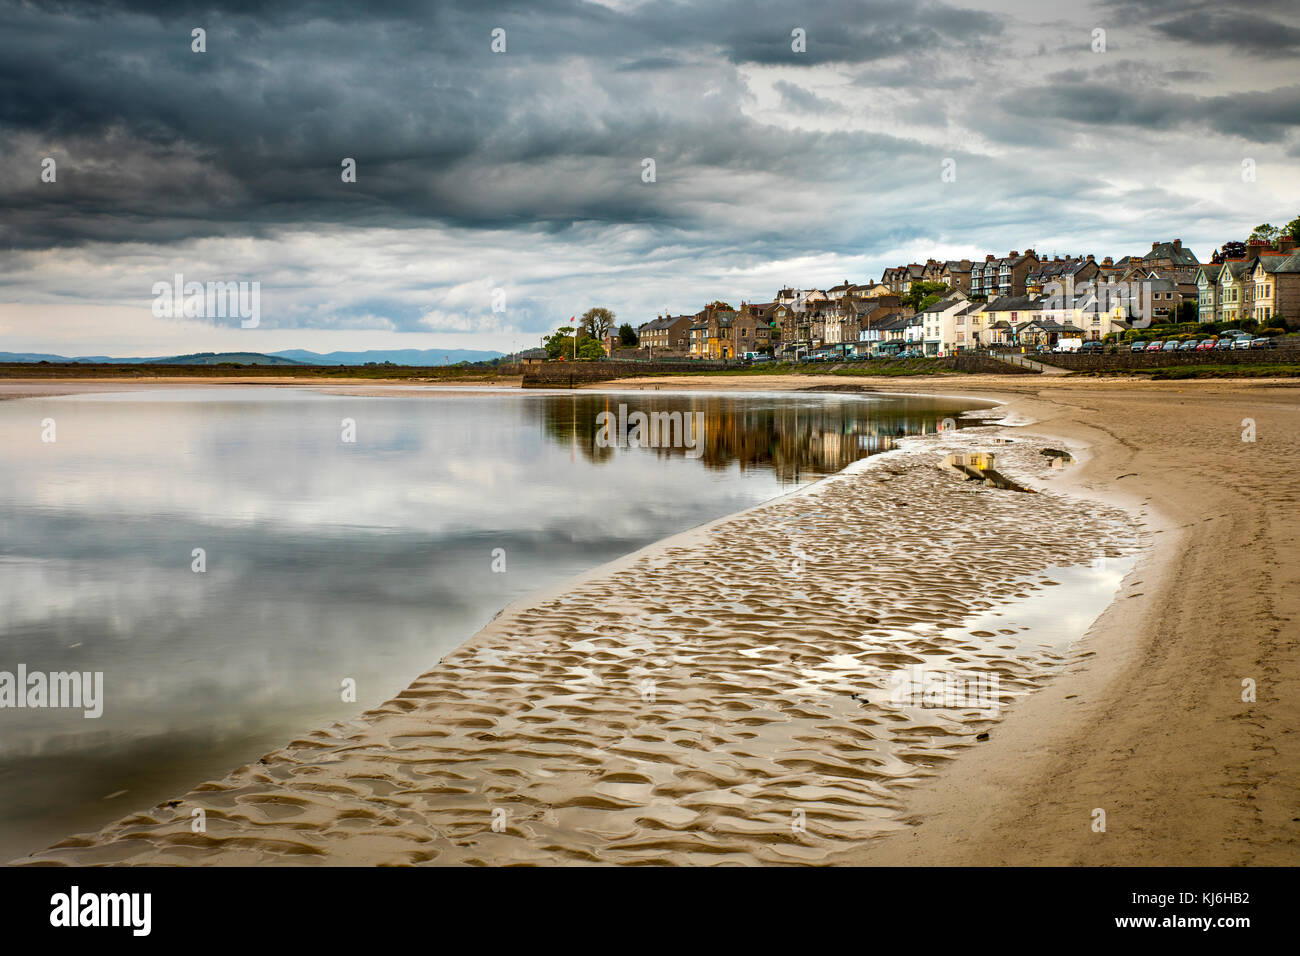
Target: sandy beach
column 722, row 697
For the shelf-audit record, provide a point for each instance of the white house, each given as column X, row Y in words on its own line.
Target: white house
column 938, row 324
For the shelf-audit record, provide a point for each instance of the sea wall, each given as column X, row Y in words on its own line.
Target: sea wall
column 568, row 374
column 1077, row 362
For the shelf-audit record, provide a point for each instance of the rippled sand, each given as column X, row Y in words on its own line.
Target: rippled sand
column 720, row 698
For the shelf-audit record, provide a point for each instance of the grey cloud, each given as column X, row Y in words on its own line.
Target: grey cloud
column 1233, row 28
column 1264, row 116
column 797, row 98
column 540, row 148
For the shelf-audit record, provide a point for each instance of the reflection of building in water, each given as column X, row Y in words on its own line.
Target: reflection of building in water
column 796, row 438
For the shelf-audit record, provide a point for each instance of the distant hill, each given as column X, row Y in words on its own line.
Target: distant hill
column 396, row 356
column 196, row 358
column 222, row 358
column 415, row 357
column 44, row 357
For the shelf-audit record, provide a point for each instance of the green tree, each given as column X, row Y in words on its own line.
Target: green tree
column 1293, row 229
column 597, row 322
column 559, row 345
column 590, row 350
column 627, row 336
column 1265, row 232
column 923, row 293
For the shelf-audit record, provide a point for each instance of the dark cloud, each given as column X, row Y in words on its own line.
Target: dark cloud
column 541, row 148
column 441, row 128
column 1264, row 116
column 1233, row 28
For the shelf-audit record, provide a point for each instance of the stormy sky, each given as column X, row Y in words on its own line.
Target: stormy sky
column 522, row 171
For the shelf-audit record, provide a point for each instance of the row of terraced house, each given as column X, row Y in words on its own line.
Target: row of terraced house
column 1021, row 299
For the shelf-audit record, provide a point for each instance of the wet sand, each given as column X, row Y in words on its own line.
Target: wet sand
column 1152, row 727
column 689, row 703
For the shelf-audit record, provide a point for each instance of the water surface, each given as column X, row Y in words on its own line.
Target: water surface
column 325, row 560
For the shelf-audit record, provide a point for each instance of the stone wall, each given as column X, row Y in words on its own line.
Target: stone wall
column 979, row 363
column 568, row 374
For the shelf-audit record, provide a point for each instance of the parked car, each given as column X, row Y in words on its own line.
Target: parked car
column 1093, row 346
column 1233, row 333
column 1241, row 343
column 1155, row 346
column 1207, row 345
column 1260, row 343
column 1171, row 346
column 1138, row 346
column 1188, row 346
column 1224, row 344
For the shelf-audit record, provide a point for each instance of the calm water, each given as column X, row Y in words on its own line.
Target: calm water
column 326, row 560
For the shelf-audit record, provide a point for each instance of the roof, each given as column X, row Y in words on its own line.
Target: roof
column 1013, row 303
column 532, row 353
column 1290, row 263
column 1179, row 255
column 1015, row 260
column 1048, row 268
column 943, row 305
column 662, row 322
column 1212, row 270
column 1048, row 325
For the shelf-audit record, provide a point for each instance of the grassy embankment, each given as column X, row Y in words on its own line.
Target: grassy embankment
column 1226, row 371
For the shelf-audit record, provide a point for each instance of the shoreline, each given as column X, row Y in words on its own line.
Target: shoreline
column 1011, row 802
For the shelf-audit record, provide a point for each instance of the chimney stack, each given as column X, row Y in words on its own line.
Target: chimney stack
column 1178, row 243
